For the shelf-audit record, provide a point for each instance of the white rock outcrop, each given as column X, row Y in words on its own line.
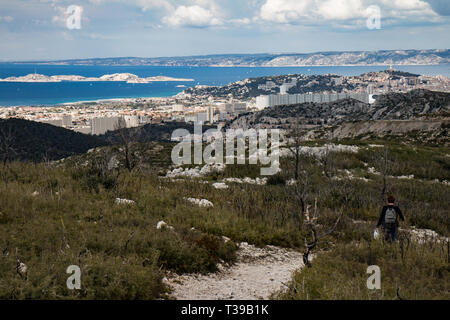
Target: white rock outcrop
column 320, row 151
column 256, row 181
column 220, row 185
column 124, row 201
column 200, row 202
column 163, row 225
column 196, row 172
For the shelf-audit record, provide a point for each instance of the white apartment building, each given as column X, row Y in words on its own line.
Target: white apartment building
column 288, row 99
column 102, row 125
column 235, row 107
column 67, row 120
column 177, row 108
column 131, row 121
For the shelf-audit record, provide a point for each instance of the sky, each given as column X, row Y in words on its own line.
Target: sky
column 66, row 29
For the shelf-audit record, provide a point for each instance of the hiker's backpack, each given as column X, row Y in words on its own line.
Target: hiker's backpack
column 390, row 217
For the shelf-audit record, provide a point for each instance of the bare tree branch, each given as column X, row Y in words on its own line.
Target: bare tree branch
column 126, row 141
column 310, row 222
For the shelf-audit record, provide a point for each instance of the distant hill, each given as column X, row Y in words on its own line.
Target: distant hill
column 381, row 57
column 412, row 104
column 37, row 141
column 392, row 106
column 148, row 133
column 300, row 83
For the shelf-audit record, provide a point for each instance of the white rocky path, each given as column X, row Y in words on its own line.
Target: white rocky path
column 257, row 274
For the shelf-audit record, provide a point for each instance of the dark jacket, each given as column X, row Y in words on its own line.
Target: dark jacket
column 383, row 212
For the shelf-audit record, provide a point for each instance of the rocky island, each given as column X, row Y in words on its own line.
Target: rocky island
column 119, row 77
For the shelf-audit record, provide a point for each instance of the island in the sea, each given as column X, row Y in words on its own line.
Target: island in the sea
column 122, row 77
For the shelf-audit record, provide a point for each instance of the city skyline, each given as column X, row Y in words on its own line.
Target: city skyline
column 33, row 30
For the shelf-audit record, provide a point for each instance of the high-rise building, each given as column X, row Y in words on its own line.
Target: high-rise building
column 177, row 108
column 235, row 107
column 190, row 118
column 131, row 121
column 102, row 125
column 210, row 114
column 262, row 102
column 67, row 120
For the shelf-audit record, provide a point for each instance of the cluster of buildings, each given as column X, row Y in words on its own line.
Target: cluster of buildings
column 364, row 88
column 102, row 125
column 97, row 125
column 272, row 100
column 101, row 117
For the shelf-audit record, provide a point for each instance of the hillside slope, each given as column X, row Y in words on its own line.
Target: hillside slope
column 393, row 106
column 35, row 141
column 148, row 133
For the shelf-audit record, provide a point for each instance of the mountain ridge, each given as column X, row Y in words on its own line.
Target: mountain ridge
column 320, row 58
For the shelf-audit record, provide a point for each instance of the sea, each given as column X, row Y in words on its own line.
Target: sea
column 47, row 94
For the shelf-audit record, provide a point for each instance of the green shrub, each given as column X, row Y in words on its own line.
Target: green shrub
column 276, row 179
column 417, row 271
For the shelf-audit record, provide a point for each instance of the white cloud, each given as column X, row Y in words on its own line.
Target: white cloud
column 61, row 16
column 345, row 12
column 192, row 16
column 340, row 9
column 150, row 4
column 285, row 11
column 209, row 4
column 6, row 19
column 406, row 4
column 243, row 21
column 143, row 4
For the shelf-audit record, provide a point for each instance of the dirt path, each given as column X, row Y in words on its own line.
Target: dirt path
column 257, row 273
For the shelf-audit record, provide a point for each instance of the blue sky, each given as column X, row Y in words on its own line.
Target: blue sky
column 37, row 29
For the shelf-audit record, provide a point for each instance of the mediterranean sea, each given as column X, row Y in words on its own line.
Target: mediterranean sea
column 53, row 93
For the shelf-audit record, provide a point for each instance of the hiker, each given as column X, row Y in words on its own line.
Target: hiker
column 389, row 220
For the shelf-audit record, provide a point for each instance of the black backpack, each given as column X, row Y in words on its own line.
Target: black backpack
column 390, row 216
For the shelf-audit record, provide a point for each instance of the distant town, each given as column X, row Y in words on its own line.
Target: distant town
column 217, row 105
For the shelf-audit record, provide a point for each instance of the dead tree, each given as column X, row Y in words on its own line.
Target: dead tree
column 327, row 161
column 302, row 184
column 383, row 164
column 301, row 189
column 7, row 139
column 310, row 222
column 125, row 142
column 7, row 149
column 295, row 138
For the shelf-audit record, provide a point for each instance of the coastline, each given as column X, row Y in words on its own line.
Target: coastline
column 236, row 66
column 142, row 92
column 107, row 100
column 80, row 102
column 325, row 65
